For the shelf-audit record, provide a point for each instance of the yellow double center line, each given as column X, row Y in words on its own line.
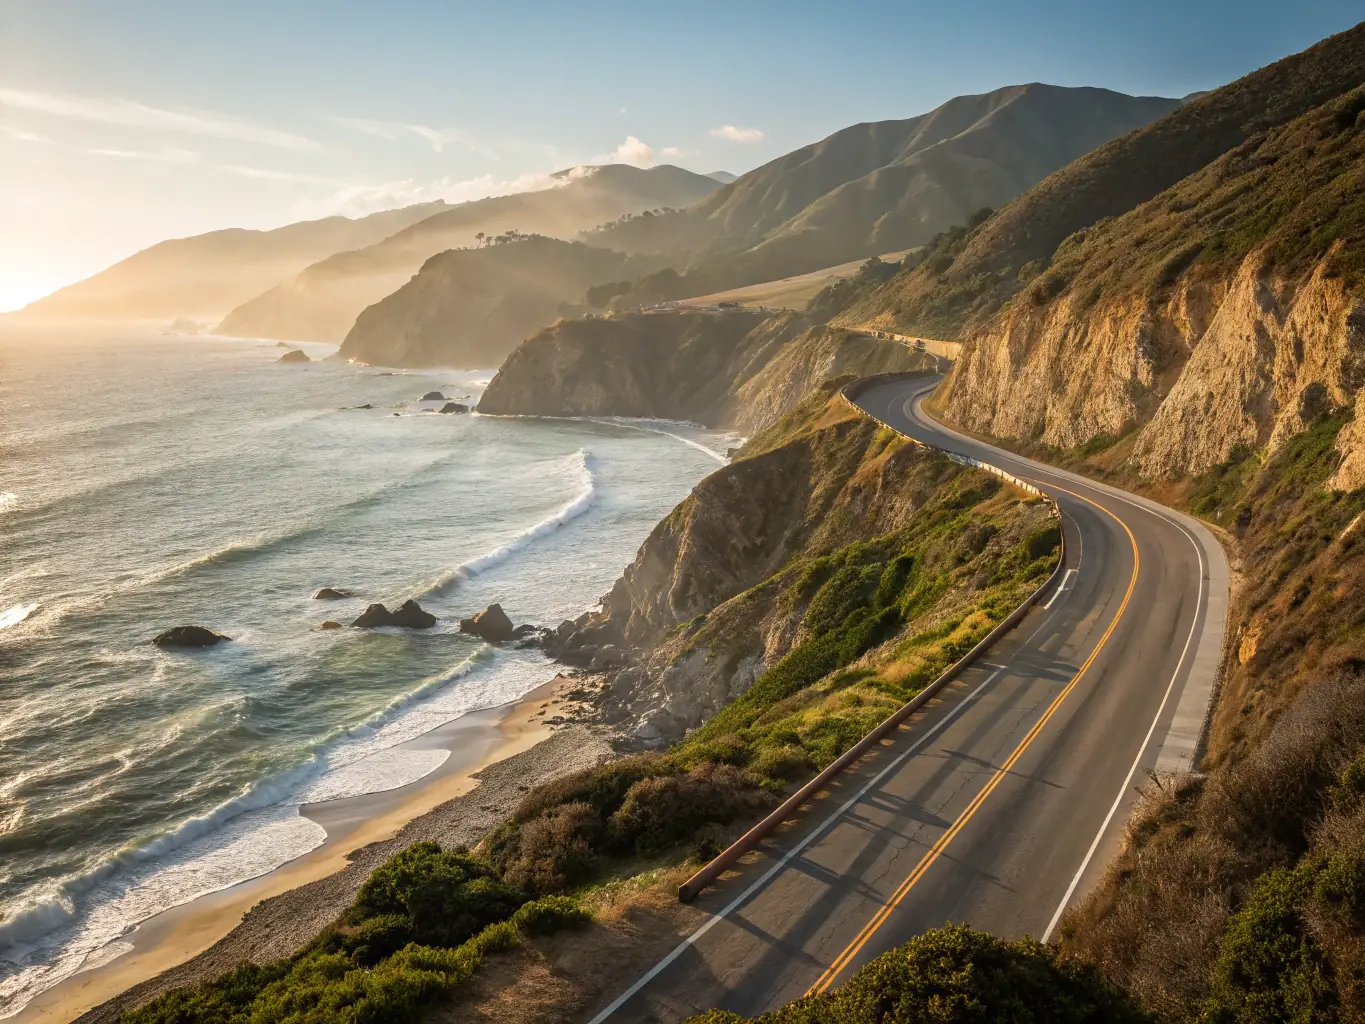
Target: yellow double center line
column 878, row 919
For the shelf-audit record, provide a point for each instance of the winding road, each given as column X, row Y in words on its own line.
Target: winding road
column 1003, row 800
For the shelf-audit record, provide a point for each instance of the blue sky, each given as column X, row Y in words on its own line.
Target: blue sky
column 124, row 123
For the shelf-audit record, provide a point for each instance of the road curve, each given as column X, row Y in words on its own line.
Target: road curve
column 1003, row 800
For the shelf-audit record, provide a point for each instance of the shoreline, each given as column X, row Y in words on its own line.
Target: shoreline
column 359, row 830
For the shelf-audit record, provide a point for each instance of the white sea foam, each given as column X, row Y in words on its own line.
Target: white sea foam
column 646, row 425
column 574, row 508
column 16, row 614
column 8, row 499
column 300, row 784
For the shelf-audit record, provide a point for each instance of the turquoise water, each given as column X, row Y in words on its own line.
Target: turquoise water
column 147, row 482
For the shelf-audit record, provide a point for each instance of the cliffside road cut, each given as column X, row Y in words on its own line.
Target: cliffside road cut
column 1003, row 800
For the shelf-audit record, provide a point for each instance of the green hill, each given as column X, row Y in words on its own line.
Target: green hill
column 469, row 307
column 885, row 185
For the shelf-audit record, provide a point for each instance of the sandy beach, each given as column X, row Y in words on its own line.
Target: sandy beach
column 495, row 754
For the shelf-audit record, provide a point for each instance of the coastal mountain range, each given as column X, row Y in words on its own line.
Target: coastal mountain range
column 322, row 301
column 207, row 275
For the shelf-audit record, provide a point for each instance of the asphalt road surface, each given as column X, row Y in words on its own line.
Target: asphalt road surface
column 1004, row 799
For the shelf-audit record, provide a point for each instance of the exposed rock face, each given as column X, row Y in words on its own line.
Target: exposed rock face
column 812, row 493
column 410, row 615
column 454, row 407
column 433, row 396
column 490, row 624
column 294, row 355
column 329, row 624
column 330, row 594
column 1217, row 365
column 189, row 636
column 738, row 368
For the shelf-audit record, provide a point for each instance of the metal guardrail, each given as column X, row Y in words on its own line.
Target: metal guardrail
column 726, row 859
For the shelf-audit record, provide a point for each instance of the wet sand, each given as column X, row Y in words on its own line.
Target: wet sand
column 494, row 755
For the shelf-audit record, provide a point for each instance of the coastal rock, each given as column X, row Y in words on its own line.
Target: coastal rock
column 330, row 594
column 454, row 407
column 433, row 396
column 294, row 355
column 189, row 636
column 281, row 344
column 490, row 624
column 409, row 615
column 330, row 624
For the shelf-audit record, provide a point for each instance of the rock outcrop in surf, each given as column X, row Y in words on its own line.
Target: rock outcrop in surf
column 189, row 636
column 409, row 615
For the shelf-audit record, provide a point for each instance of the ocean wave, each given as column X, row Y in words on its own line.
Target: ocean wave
column 8, row 499
column 57, row 908
column 312, row 522
column 16, row 614
column 570, row 511
column 631, row 423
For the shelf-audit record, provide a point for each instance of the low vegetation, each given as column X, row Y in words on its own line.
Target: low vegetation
column 954, row 975
column 418, row 929
column 879, row 619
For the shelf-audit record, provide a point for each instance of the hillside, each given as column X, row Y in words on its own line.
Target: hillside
column 738, row 369
column 207, row 275
column 960, row 290
column 886, row 185
column 470, row 307
column 321, row 302
column 1228, row 313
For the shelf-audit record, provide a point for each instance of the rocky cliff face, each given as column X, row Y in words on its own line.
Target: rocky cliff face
column 1220, row 364
column 1228, row 313
column 739, row 368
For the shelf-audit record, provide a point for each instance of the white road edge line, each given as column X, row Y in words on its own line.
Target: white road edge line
column 1170, row 687
column 1128, row 780
column 787, row 858
column 1060, row 587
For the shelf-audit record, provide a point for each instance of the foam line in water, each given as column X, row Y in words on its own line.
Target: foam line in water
column 16, row 614
column 44, row 915
column 633, row 424
column 570, row 511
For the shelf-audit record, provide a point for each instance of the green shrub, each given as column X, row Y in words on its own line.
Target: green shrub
column 954, row 975
column 552, row 851
column 1268, row 969
column 446, row 895
column 666, row 809
column 1041, row 543
column 548, row 915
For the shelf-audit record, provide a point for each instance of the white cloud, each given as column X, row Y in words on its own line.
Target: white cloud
column 359, row 200
column 22, row 136
column 127, row 114
column 168, row 155
column 736, row 134
column 671, row 152
column 632, row 151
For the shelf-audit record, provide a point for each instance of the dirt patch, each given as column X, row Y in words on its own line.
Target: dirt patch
column 570, row 976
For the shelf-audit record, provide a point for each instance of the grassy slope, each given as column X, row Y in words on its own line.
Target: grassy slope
column 880, row 186
column 951, row 298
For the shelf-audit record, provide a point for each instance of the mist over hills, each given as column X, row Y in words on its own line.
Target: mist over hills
column 885, row 185
column 209, row 274
column 470, row 307
column 322, row 301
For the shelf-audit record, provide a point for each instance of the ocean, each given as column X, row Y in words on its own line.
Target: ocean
column 152, row 481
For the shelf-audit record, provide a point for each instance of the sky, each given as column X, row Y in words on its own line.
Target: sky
column 124, row 123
